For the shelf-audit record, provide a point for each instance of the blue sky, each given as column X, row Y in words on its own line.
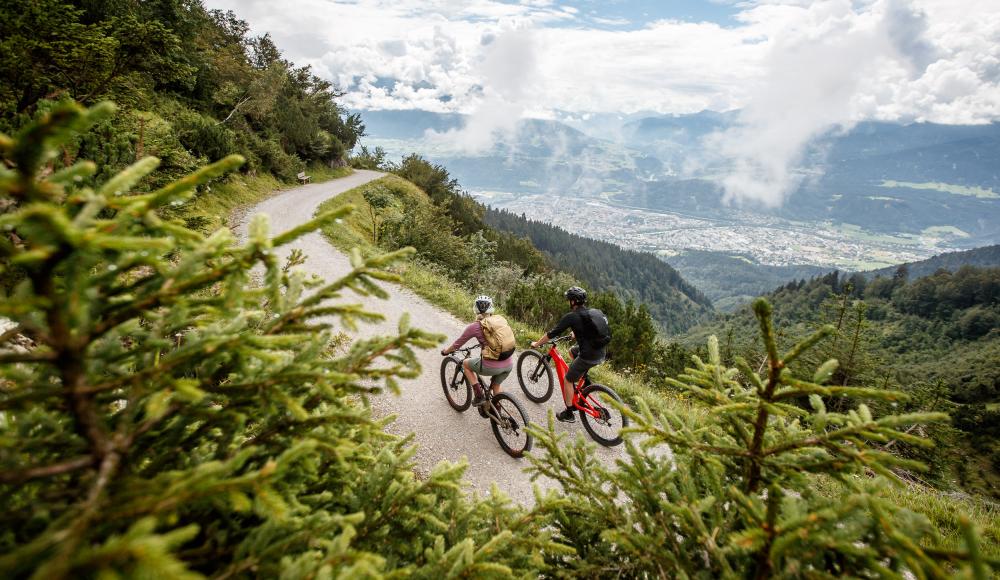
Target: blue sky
column 638, row 13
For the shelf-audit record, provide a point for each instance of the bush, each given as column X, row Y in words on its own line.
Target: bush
column 161, row 417
column 370, row 159
column 204, row 137
column 425, row 227
column 978, row 321
column 273, row 159
column 735, row 494
column 538, row 300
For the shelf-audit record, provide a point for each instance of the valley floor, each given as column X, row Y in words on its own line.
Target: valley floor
column 768, row 240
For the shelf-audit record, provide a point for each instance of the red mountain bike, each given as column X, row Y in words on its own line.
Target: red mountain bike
column 507, row 417
column 602, row 420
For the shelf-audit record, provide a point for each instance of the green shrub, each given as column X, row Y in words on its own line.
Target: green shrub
column 162, row 417
column 735, row 493
column 204, row 137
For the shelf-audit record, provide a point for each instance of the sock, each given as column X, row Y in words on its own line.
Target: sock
column 477, row 389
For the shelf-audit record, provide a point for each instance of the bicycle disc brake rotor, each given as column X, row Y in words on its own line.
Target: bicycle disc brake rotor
column 603, row 415
column 506, row 423
column 510, row 425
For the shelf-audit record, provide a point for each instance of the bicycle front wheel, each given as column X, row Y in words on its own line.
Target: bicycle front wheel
column 456, row 388
column 606, row 427
column 510, row 425
column 535, row 376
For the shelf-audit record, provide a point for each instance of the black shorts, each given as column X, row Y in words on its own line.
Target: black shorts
column 579, row 366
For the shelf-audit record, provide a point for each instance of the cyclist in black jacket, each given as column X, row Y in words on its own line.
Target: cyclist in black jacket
column 589, row 350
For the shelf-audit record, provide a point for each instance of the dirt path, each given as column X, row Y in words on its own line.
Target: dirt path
column 440, row 432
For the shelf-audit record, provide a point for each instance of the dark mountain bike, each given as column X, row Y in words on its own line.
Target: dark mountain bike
column 507, row 417
column 602, row 420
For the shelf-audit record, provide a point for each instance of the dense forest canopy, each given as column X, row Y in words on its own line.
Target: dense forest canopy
column 936, row 337
column 193, row 85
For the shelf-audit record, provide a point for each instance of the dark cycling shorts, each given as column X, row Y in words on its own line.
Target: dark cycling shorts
column 579, row 366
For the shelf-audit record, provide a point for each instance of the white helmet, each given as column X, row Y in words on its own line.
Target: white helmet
column 483, row 305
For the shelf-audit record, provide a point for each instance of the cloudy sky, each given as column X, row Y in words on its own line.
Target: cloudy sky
column 795, row 68
column 921, row 59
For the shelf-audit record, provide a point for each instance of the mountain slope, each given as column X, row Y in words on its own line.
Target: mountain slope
column 673, row 302
column 731, row 279
column 936, row 337
column 987, row 257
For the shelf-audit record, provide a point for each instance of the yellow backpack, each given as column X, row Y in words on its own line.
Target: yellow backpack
column 499, row 338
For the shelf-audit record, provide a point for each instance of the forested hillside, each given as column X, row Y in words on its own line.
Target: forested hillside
column 193, row 85
column 988, row 256
column 936, row 337
column 730, row 280
column 673, row 302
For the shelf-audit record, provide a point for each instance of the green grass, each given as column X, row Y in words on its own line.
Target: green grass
column 432, row 284
column 220, row 199
column 856, row 232
column 944, row 231
column 951, row 188
column 944, row 510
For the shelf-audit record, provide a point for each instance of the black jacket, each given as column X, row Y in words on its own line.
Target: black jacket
column 584, row 332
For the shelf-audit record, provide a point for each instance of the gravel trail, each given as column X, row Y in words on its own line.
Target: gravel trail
column 440, row 432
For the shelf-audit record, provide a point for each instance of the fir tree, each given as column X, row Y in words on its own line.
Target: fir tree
column 162, row 416
column 754, row 487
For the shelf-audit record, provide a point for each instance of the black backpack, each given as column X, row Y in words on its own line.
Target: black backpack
column 597, row 323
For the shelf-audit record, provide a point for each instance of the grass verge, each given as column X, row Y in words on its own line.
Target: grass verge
column 215, row 205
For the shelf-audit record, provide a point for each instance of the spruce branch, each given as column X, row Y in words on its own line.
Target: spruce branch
column 61, row 468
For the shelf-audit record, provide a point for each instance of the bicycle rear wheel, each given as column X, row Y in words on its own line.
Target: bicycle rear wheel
column 509, row 425
column 456, row 388
column 607, row 427
column 535, row 376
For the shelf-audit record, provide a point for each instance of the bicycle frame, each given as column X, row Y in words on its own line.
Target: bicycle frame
column 507, row 417
column 487, row 390
column 562, row 367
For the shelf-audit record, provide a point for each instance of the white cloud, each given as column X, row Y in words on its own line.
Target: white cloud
column 797, row 68
column 831, row 64
column 509, row 77
column 667, row 66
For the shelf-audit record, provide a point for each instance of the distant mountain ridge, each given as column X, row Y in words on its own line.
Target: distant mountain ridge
column 885, row 177
column 408, row 124
column 730, row 280
column 985, row 257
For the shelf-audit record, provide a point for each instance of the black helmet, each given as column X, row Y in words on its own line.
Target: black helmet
column 576, row 295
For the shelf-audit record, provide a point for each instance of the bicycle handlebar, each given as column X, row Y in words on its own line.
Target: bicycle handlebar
column 467, row 349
